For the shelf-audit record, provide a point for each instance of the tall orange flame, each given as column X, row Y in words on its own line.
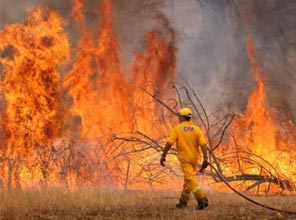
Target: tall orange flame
column 257, row 115
column 109, row 100
column 97, row 83
column 106, row 99
column 100, row 89
column 153, row 71
column 258, row 131
column 33, row 115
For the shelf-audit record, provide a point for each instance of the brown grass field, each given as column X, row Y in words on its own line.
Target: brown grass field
column 94, row 204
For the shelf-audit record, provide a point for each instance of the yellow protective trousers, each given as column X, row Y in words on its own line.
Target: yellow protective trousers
column 190, row 181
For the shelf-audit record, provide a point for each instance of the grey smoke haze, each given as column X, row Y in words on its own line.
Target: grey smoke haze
column 211, row 42
column 212, row 46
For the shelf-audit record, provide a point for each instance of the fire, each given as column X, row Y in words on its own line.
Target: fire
column 97, row 83
column 258, row 134
column 101, row 90
column 110, row 100
column 58, row 127
column 154, row 68
column 257, row 118
column 33, row 116
column 43, row 104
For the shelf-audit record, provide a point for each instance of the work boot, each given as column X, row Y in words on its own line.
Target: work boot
column 182, row 204
column 202, row 203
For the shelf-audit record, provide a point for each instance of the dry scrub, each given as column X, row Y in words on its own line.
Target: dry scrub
column 95, row 204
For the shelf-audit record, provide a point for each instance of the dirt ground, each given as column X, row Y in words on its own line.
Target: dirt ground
column 94, row 204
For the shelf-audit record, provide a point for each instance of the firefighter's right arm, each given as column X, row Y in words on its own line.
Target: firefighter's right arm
column 164, row 153
column 204, row 150
column 205, row 162
column 169, row 142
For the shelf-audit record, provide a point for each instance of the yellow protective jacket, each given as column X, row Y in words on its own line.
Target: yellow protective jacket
column 188, row 138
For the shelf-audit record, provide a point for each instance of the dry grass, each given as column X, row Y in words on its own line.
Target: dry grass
column 94, row 204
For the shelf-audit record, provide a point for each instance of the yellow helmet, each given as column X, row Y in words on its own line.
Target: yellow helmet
column 185, row 112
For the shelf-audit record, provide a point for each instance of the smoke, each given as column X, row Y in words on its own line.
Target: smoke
column 17, row 11
column 213, row 57
column 211, row 42
column 207, row 49
column 212, row 54
column 273, row 26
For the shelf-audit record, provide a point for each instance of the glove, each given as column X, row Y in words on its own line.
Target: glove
column 162, row 160
column 204, row 165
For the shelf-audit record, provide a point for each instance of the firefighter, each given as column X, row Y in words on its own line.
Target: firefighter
column 188, row 138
